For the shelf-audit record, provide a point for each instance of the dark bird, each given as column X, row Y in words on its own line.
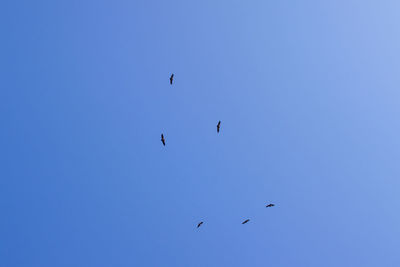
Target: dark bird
column 218, row 126
column 270, row 205
column 200, row 223
column 246, row 221
column 163, row 139
column 171, row 79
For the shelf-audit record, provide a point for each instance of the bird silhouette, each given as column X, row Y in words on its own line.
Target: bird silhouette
column 200, row 223
column 171, row 79
column 270, row 205
column 163, row 139
column 246, row 221
column 218, row 126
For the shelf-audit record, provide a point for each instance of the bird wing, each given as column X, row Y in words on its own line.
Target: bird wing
column 162, row 139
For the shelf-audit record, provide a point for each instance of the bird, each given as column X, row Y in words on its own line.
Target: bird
column 200, row 223
column 246, row 221
column 171, row 79
column 270, row 205
column 163, row 139
column 218, row 126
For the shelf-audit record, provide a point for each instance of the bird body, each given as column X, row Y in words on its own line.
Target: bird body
column 171, row 79
column 270, row 205
column 218, row 126
column 246, row 221
column 200, row 223
column 163, row 139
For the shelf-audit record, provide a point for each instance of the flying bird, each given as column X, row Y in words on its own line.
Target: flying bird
column 171, row 79
column 163, row 139
column 246, row 221
column 200, row 223
column 218, row 126
column 270, row 205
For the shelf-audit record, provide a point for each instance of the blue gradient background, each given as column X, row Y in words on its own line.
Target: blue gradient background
column 308, row 95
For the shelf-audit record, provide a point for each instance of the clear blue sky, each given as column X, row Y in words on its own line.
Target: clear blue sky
column 308, row 93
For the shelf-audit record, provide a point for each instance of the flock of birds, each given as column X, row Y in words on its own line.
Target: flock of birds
column 171, row 80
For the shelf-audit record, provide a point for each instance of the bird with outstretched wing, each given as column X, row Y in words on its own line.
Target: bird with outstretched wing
column 270, row 205
column 200, row 223
column 218, row 126
column 171, row 79
column 246, row 221
column 163, row 139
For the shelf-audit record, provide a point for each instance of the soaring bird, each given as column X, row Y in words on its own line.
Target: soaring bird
column 200, row 223
column 171, row 79
column 270, row 205
column 163, row 139
column 246, row 221
column 218, row 126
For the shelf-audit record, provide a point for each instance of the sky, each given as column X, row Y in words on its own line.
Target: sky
column 308, row 97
